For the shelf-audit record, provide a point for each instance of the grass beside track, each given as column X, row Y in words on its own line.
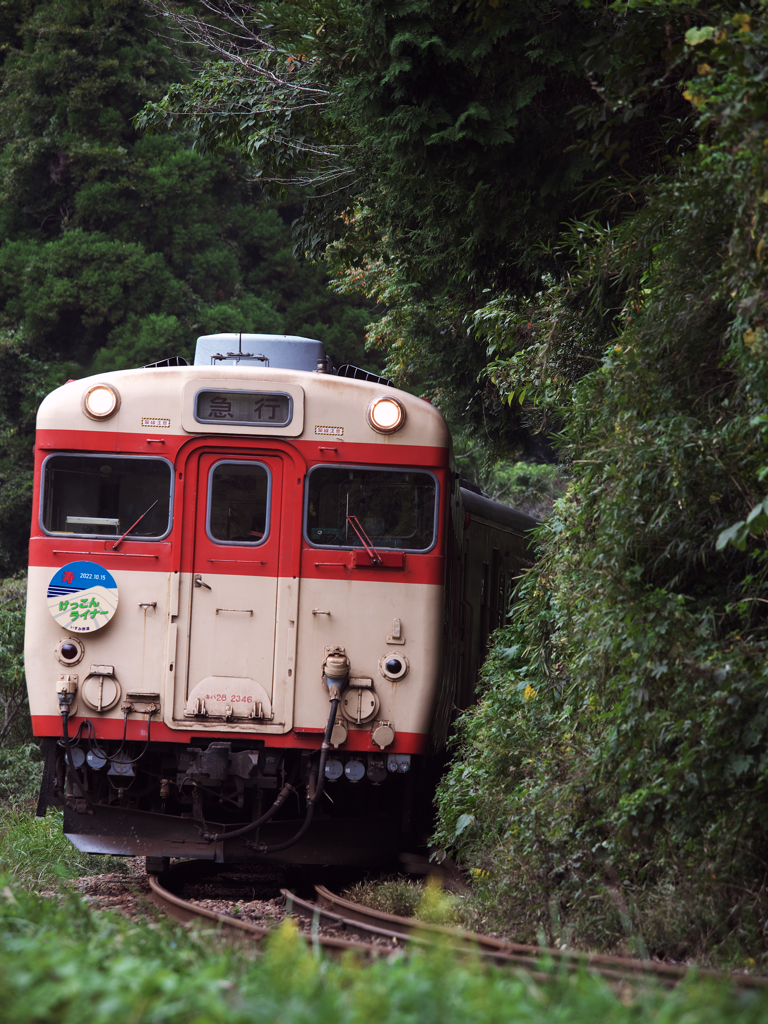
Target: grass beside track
column 35, row 849
column 62, row 962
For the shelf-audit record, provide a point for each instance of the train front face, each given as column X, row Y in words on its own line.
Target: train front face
column 209, row 545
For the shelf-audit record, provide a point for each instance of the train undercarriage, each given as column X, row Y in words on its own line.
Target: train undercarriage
column 172, row 800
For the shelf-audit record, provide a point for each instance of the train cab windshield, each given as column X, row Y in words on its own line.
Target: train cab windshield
column 396, row 508
column 238, row 502
column 104, row 495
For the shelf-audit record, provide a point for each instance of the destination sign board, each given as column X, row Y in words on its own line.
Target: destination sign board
column 262, row 408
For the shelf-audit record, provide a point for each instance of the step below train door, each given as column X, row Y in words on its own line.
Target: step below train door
column 233, row 610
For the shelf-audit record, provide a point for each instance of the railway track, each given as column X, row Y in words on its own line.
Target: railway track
column 337, row 925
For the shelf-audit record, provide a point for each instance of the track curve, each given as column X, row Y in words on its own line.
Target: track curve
column 185, row 911
column 374, row 933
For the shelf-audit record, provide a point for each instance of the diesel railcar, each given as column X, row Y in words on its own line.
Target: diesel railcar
column 258, row 592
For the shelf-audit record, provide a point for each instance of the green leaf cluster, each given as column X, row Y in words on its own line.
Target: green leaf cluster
column 64, row 961
column 434, row 142
column 443, row 146
column 118, row 249
column 617, row 764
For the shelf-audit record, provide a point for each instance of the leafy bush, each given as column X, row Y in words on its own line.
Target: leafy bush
column 14, row 709
column 21, row 774
column 60, row 961
column 532, row 487
column 612, row 782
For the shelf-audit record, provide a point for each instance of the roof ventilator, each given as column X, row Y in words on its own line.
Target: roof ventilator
column 170, row 361
column 348, row 370
column 239, row 354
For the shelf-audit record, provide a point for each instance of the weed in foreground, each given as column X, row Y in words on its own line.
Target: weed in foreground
column 60, row 961
column 35, row 850
column 37, row 853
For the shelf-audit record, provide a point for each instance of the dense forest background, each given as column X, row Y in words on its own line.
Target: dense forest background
column 557, row 210
column 561, row 206
column 118, row 249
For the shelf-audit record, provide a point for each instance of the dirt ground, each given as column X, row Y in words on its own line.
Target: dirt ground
column 130, row 894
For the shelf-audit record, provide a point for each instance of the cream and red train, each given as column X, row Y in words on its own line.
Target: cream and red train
column 232, row 562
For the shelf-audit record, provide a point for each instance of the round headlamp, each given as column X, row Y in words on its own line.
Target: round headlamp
column 386, row 414
column 101, row 401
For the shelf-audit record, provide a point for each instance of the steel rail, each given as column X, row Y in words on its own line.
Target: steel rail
column 185, row 911
column 386, row 933
column 317, row 912
column 501, row 950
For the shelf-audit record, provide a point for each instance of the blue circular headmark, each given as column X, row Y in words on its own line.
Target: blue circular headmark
column 82, row 596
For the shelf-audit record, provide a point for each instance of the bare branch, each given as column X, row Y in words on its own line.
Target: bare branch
column 256, row 84
column 228, row 42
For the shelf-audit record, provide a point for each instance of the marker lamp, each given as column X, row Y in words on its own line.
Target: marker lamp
column 386, row 415
column 101, row 401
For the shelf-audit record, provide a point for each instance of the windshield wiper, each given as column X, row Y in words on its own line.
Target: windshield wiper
column 120, row 541
column 367, row 543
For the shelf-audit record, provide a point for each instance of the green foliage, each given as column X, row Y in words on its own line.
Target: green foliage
column 120, row 249
column 612, row 782
column 38, row 854
column 415, row 138
column 25, row 380
column 278, row 109
column 437, row 124
column 532, row 487
column 21, row 774
column 392, row 895
column 437, row 906
column 444, row 144
column 396, row 894
column 61, row 961
column 35, row 850
column 14, row 710
column 463, row 122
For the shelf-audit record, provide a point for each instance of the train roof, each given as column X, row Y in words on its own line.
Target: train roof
column 494, row 512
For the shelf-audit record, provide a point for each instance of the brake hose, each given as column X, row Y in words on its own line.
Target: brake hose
column 283, row 795
column 65, row 705
column 280, row 799
column 314, row 793
column 122, row 760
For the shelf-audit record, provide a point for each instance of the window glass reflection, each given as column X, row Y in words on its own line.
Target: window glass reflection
column 396, row 508
column 237, row 508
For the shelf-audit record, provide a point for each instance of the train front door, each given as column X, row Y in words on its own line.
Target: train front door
column 234, row 589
